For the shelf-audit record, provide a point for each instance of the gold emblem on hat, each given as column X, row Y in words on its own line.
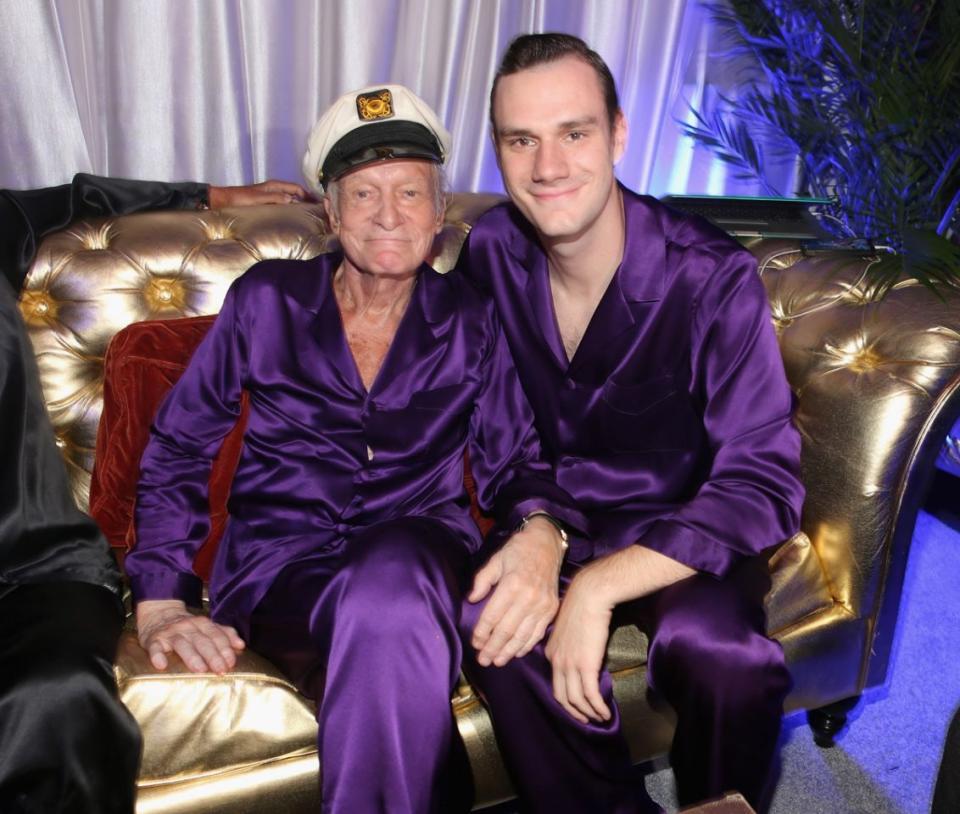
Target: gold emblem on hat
column 375, row 105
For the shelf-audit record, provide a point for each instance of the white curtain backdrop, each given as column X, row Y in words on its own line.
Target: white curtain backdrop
column 226, row 90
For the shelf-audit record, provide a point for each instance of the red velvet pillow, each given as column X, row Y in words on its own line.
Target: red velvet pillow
column 142, row 363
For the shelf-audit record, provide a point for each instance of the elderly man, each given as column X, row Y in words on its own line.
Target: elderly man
column 644, row 342
column 349, row 540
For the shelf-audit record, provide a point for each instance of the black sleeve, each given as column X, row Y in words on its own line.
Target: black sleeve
column 27, row 216
column 43, row 535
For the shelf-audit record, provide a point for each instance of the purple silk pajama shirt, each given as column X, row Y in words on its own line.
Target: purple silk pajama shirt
column 671, row 427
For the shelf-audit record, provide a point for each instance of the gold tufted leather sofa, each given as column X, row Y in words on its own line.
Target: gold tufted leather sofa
column 877, row 391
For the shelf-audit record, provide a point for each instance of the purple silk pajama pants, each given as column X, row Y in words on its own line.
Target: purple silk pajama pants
column 708, row 656
column 370, row 632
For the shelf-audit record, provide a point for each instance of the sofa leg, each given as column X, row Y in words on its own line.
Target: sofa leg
column 826, row 722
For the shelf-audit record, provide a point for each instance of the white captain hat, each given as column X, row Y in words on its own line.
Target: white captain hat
column 378, row 123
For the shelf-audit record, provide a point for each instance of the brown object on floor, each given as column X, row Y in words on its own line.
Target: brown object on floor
column 730, row 803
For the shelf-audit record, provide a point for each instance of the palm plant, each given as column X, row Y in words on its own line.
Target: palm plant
column 865, row 95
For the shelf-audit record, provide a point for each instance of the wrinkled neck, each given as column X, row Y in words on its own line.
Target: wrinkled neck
column 372, row 296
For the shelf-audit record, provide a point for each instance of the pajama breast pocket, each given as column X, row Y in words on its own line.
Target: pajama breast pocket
column 654, row 414
column 433, row 420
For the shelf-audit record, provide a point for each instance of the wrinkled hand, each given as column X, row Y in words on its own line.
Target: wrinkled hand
column 166, row 626
column 267, row 192
column 524, row 576
column 576, row 648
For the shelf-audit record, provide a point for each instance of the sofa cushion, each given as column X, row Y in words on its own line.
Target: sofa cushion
column 142, row 363
column 204, row 723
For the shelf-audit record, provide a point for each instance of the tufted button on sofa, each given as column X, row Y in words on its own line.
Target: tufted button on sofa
column 877, row 391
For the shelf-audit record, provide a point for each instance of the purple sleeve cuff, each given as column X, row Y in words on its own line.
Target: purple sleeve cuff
column 167, row 585
column 573, row 522
column 687, row 546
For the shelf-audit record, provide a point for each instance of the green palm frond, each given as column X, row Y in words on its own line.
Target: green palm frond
column 866, row 94
column 731, row 141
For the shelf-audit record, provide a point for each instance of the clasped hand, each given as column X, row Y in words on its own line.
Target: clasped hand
column 524, row 577
column 576, row 649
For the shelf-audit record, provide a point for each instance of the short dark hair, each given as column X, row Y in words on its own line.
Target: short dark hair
column 529, row 50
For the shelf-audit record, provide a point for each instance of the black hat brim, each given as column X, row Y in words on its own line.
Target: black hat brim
column 381, row 141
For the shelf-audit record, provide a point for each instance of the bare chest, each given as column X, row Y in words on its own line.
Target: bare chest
column 573, row 317
column 368, row 346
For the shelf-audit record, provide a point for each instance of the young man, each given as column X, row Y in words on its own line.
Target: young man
column 644, row 343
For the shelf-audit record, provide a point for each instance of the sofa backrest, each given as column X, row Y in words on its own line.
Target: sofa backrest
column 98, row 276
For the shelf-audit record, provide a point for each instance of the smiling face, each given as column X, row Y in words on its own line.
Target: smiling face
column 556, row 148
column 386, row 215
